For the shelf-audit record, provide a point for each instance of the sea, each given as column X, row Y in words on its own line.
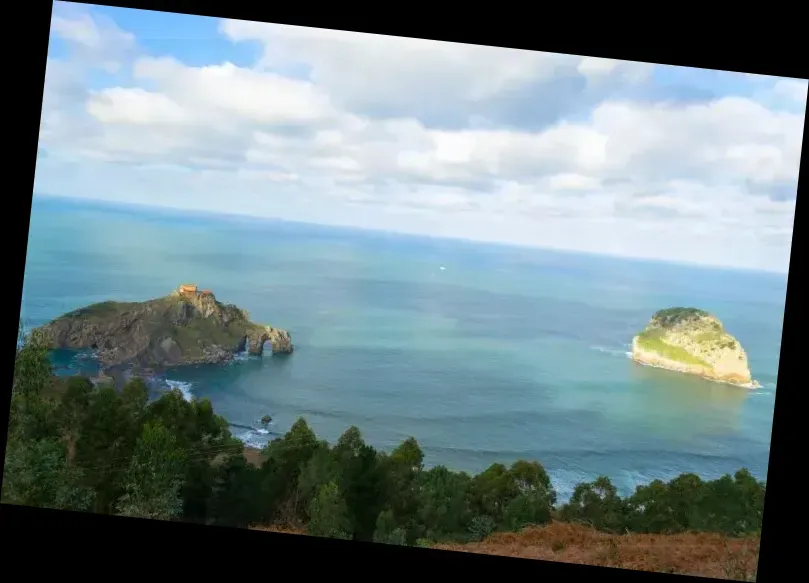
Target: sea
column 484, row 353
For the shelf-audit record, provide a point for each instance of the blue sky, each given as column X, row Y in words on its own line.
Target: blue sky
column 422, row 137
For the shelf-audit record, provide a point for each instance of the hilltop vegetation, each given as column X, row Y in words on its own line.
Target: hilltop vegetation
column 670, row 317
column 85, row 448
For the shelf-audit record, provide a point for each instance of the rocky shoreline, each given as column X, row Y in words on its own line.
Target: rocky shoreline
column 648, row 358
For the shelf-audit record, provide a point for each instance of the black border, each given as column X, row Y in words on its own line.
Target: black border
column 125, row 545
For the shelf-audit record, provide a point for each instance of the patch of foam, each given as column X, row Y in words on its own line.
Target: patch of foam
column 628, row 480
column 610, row 351
column 625, row 481
column 252, row 438
column 183, row 387
column 240, row 357
column 565, row 481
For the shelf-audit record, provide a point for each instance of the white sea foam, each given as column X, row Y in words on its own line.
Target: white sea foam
column 625, row 481
column 605, row 350
column 184, row 388
column 240, row 357
column 251, row 439
column 564, row 482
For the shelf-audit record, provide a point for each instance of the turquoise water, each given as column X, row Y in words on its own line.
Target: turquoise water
column 505, row 353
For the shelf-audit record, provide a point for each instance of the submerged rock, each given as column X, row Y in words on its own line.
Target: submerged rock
column 186, row 327
column 694, row 342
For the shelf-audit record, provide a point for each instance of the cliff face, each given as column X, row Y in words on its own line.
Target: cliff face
column 179, row 329
column 694, row 342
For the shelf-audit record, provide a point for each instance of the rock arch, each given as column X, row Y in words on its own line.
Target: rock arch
column 279, row 340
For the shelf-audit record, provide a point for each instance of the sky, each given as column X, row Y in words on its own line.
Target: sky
column 422, row 137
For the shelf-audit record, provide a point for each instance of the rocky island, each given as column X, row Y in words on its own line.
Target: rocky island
column 694, row 342
column 189, row 326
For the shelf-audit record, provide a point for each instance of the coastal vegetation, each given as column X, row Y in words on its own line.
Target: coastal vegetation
column 653, row 340
column 72, row 445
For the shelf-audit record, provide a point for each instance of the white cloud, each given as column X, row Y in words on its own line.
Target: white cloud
column 227, row 90
column 94, row 39
column 379, row 132
column 793, row 89
column 367, row 69
column 117, row 105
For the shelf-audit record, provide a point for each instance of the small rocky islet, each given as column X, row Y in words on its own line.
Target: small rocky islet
column 695, row 342
column 188, row 326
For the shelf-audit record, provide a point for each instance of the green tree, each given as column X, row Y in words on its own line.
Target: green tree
column 329, row 514
column 285, row 459
column 321, row 469
column 492, row 490
column 104, row 446
column 37, row 473
column 134, row 396
column 32, row 367
column 154, row 477
column 203, row 435
column 535, row 499
column 362, row 482
column 684, row 495
column 177, row 415
column 443, row 509
column 597, row 504
column 235, row 498
column 751, row 502
column 481, row 527
column 402, row 469
column 650, row 510
column 385, row 526
column 730, row 505
column 74, row 404
column 531, row 477
column 528, row 508
column 32, row 413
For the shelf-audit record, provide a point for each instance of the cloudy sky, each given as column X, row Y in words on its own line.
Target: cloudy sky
column 420, row 136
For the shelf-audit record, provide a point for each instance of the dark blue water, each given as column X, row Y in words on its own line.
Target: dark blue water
column 505, row 353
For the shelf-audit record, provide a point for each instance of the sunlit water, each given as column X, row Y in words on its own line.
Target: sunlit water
column 505, row 353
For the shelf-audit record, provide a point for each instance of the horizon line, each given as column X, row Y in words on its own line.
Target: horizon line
column 365, row 229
